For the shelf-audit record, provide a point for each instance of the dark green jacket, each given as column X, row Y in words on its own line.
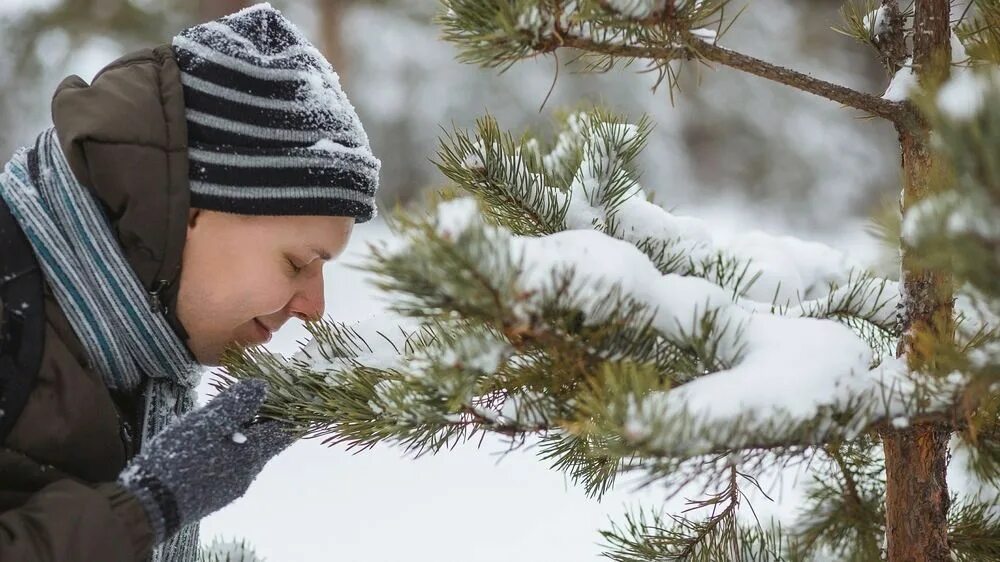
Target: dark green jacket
column 125, row 137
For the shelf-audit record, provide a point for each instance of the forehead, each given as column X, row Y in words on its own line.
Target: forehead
column 302, row 223
column 320, row 235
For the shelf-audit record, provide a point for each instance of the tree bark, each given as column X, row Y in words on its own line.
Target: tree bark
column 916, row 507
column 916, row 458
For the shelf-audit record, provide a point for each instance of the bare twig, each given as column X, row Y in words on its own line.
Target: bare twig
column 892, row 111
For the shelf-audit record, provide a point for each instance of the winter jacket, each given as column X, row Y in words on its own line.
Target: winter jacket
column 125, row 138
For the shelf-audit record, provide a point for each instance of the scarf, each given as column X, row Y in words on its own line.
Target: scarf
column 128, row 341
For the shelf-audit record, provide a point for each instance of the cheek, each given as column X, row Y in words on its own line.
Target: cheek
column 260, row 294
column 203, row 299
column 233, row 279
column 224, row 293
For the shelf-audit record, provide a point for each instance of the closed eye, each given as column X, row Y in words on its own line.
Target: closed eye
column 295, row 268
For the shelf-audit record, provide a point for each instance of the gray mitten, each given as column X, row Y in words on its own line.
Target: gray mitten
column 205, row 459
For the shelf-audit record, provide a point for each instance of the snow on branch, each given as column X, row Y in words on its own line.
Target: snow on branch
column 796, row 370
column 587, row 179
column 504, row 328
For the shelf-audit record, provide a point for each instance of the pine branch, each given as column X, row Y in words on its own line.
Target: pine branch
column 633, row 366
column 495, row 168
column 954, row 226
column 588, row 180
column 863, row 296
column 980, row 33
column 866, row 304
column 881, row 25
column 568, row 355
column 227, row 551
column 498, row 34
column 653, row 538
column 675, row 445
column 844, row 515
column 973, row 531
column 587, row 460
column 981, row 439
column 892, row 111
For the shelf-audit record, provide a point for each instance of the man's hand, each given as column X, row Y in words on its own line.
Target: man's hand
column 205, row 459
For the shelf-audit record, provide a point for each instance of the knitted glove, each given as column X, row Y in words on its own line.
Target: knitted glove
column 205, row 459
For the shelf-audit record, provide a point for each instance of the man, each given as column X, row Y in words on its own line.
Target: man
column 184, row 203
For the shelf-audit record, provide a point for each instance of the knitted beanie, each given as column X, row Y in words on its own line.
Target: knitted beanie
column 270, row 132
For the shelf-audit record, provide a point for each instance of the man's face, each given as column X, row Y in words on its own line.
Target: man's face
column 239, row 279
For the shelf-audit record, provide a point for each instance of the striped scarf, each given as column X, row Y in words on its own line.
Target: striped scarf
column 126, row 340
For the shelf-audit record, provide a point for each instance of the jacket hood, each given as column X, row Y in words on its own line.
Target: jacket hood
column 125, row 137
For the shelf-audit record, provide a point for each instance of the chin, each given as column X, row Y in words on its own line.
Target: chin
column 207, row 359
column 207, row 356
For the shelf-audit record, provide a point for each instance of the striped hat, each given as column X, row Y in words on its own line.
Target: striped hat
column 270, row 132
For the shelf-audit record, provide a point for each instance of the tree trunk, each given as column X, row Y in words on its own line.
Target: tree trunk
column 916, row 458
column 213, row 9
column 331, row 14
column 916, row 506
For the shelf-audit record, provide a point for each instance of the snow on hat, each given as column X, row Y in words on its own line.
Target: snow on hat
column 270, row 132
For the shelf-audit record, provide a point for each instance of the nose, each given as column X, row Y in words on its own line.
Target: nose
column 309, row 302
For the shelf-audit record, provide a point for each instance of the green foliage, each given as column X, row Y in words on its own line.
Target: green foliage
column 526, row 185
column 956, row 228
column 857, row 23
column 980, row 31
column 523, row 184
column 845, row 514
column 651, row 537
column 980, row 440
column 499, row 33
column 227, row 551
column 973, row 530
column 522, row 199
column 879, row 25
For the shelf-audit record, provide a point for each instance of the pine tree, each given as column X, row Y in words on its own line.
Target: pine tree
column 547, row 297
column 222, row 550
